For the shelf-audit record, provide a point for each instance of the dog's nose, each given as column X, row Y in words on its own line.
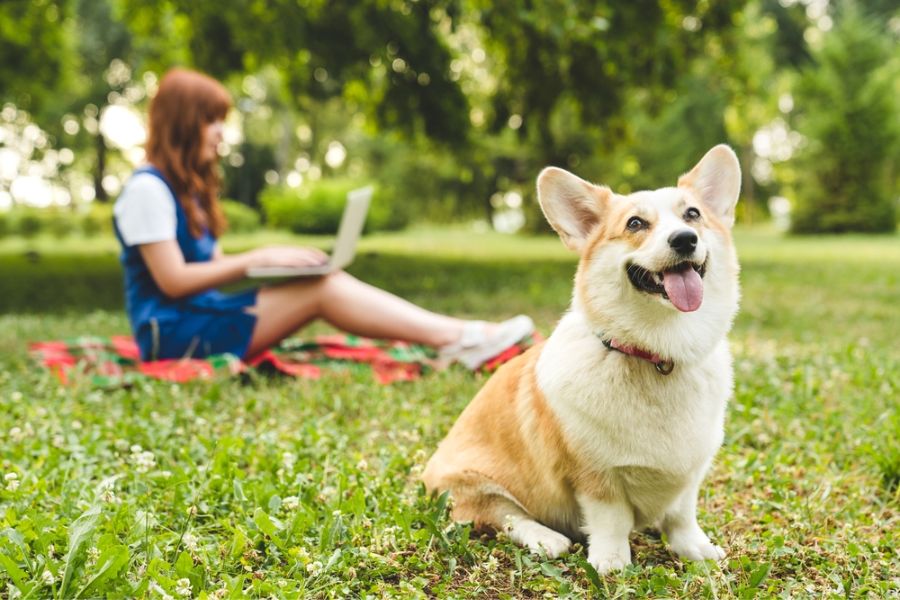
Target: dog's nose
column 683, row 242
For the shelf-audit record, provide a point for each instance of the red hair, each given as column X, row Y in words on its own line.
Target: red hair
column 186, row 102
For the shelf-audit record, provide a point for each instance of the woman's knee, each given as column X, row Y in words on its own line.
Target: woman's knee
column 337, row 280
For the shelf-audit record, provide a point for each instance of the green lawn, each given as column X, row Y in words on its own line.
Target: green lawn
column 291, row 488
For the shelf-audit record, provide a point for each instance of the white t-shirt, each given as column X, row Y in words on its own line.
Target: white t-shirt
column 145, row 211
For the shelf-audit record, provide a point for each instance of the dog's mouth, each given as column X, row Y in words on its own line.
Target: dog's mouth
column 680, row 284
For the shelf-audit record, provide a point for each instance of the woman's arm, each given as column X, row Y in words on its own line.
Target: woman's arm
column 178, row 278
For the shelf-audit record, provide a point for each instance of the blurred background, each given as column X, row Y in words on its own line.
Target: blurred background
column 451, row 107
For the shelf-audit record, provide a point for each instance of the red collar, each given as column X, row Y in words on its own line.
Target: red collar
column 663, row 366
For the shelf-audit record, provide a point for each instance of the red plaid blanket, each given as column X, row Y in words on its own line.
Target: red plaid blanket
column 114, row 361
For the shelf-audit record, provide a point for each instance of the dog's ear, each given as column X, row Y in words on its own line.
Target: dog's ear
column 717, row 182
column 573, row 206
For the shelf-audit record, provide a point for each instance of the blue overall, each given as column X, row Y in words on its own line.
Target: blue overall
column 210, row 322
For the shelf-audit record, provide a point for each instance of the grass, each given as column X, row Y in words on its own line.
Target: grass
column 292, row 488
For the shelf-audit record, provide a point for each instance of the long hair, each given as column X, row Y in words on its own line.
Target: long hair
column 185, row 103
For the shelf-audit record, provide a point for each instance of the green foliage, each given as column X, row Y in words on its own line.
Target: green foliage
column 847, row 174
column 448, row 103
column 317, row 207
column 586, row 53
column 245, row 182
column 30, row 222
column 241, row 218
column 35, row 51
column 57, row 222
column 33, row 281
column 327, row 51
column 97, row 221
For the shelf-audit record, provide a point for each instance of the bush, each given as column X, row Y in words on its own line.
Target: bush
column 28, row 223
column 241, row 218
column 317, row 208
column 59, row 223
column 97, row 220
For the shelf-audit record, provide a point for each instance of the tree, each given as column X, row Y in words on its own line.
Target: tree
column 849, row 114
column 387, row 57
column 35, row 51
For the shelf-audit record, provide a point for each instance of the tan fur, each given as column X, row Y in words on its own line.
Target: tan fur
column 508, row 437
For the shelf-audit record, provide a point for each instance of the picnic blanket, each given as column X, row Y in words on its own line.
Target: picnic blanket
column 115, row 361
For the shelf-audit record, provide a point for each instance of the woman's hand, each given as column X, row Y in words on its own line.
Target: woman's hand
column 286, row 256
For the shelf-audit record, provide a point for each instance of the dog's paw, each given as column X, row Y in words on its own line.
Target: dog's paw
column 696, row 547
column 609, row 563
column 538, row 538
column 607, row 555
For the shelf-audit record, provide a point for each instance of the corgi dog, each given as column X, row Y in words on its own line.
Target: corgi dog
column 611, row 423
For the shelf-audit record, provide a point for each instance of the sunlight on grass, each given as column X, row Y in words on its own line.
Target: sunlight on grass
column 296, row 488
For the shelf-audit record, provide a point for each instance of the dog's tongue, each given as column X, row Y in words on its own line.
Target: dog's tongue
column 684, row 288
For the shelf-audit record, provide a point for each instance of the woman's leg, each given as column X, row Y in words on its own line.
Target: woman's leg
column 350, row 305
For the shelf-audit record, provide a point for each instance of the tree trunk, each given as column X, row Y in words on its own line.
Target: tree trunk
column 99, row 193
column 748, row 185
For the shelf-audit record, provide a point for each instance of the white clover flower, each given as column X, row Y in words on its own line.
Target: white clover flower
column 15, row 396
column 190, row 541
column 16, row 434
column 121, row 445
column 143, row 460
column 362, row 465
column 93, row 555
column 314, row 568
column 76, row 424
column 291, row 503
column 136, row 449
column 47, row 577
column 12, row 481
column 288, row 459
column 183, row 587
column 491, row 564
column 58, row 441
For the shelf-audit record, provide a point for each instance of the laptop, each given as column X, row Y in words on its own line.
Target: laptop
column 351, row 227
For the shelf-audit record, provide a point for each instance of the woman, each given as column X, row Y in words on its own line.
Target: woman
column 168, row 221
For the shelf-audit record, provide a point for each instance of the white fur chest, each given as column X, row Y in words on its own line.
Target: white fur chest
column 617, row 411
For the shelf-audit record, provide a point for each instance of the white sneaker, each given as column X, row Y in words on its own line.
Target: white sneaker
column 475, row 346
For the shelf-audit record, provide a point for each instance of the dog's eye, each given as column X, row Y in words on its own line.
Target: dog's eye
column 691, row 214
column 636, row 224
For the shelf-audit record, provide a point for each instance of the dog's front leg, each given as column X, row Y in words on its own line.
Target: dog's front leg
column 607, row 524
column 684, row 534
